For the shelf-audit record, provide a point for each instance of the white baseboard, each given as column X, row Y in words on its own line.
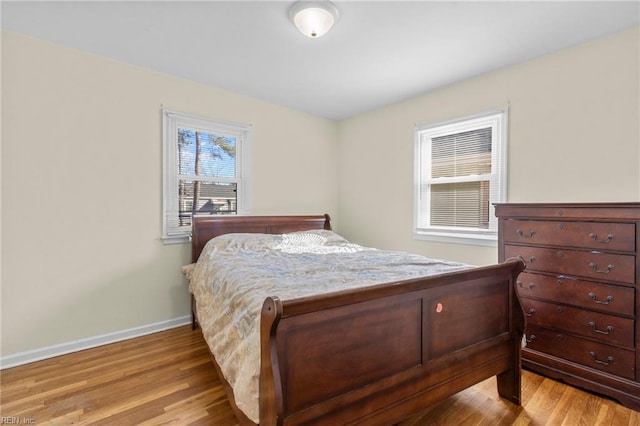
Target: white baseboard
column 90, row 342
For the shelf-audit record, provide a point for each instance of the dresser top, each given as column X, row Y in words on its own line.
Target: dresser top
column 584, row 211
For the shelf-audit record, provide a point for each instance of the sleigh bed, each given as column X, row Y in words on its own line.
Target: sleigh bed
column 371, row 355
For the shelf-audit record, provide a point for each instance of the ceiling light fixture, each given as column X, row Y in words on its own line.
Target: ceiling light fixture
column 313, row 18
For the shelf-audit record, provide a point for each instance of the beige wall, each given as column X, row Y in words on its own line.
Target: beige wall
column 81, row 171
column 81, row 188
column 574, row 135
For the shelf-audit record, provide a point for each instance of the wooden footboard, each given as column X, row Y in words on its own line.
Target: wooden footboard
column 377, row 355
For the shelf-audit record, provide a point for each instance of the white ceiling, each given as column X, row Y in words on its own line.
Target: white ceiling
column 376, row 54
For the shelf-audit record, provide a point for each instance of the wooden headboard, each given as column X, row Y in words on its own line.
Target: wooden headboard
column 205, row 228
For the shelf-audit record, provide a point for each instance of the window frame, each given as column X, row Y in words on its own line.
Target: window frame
column 422, row 230
column 171, row 121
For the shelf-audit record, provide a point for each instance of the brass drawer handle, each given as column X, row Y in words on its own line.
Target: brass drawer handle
column 529, row 287
column 531, row 259
column 531, row 312
column 595, row 299
column 531, row 339
column 593, row 325
column 561, row 279
column 609, row 360
column 594, row 266
column 522, row 234
column 594, row 236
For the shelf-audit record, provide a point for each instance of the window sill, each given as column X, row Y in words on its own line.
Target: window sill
column 176, row 239
column 457, row 238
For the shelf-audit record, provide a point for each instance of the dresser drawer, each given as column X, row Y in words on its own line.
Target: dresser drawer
column 592, row 354
column 574, row 263
column 592, row 235
column 592, row 295
column 608, row 329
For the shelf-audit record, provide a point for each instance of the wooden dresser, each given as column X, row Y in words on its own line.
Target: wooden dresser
column 579, row 292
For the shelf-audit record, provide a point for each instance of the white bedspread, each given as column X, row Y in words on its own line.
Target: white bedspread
column 237, row 272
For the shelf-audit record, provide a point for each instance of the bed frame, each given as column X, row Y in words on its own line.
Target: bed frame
column 377, row 355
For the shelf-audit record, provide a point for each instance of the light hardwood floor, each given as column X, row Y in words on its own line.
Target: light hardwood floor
column 168, row 378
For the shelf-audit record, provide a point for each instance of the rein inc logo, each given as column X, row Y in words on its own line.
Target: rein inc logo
column 15, row 420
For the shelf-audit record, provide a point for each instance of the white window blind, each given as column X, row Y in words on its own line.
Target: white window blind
column 460, row 171
column 204, row 171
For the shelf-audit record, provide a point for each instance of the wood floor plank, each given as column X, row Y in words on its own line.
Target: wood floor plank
column 168, row 378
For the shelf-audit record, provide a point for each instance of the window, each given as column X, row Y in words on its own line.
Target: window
column 205, row 171
column 460, row 171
